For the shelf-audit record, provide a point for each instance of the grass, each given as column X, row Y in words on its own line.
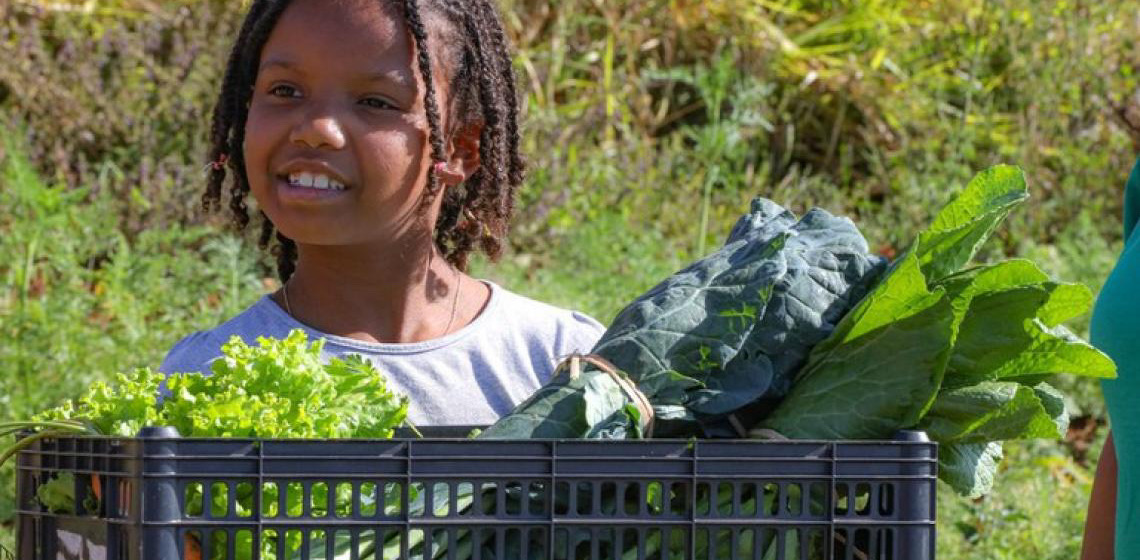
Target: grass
column 1037, row 510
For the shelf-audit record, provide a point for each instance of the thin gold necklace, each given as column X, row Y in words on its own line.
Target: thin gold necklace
column 454, row 301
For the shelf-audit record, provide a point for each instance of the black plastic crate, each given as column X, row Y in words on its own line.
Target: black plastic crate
column 157, row 497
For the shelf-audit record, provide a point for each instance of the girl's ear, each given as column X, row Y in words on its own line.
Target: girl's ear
column 463, row 155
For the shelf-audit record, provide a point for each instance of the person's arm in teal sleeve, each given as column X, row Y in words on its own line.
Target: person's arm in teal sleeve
column 1100, row 524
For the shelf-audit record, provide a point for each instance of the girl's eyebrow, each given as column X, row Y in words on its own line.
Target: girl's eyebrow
column 277, row 63
column 394, row 76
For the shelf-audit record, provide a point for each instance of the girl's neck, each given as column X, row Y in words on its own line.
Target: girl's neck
column 399, row 297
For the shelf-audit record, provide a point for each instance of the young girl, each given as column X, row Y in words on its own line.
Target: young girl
column 380, row 140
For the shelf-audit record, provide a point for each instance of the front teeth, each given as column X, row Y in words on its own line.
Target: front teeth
column 315, row 181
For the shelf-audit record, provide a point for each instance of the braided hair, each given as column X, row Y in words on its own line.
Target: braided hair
column 473, row 47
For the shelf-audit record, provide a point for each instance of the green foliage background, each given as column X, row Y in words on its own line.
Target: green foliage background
column 649, row 125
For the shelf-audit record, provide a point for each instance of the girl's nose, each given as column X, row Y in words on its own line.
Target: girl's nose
column 319, row 131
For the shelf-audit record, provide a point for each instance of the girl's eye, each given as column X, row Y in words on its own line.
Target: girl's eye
column 376, row 103
column 283, row 91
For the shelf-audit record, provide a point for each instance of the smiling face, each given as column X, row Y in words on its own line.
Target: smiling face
column 336, row 141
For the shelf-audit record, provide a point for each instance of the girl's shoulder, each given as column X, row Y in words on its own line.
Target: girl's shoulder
column 195, row 351
column 540, row 318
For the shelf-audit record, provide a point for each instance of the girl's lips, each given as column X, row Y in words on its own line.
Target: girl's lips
column 308, row 195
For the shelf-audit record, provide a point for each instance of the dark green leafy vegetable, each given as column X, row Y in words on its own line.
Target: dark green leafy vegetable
column 969, row 468
column 725, row 332
column 777, row 318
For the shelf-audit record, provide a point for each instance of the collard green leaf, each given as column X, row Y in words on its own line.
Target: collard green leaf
column 1003, row 335
column 765, row 219
column 742, row 382
column 1014, row 333
column 969, row 468
column 903, row 292
column 695, row 321
column 829, row 270
column 873, row 385
column 1054, row 403
column 885, row 363
column 591, row 405
column 962, row 226
column 724, row 331
column 965, row 285
column 993, row 277
column 556, row 410
column 990, row 411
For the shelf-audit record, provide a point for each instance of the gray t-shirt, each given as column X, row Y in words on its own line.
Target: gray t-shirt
column 470, row 377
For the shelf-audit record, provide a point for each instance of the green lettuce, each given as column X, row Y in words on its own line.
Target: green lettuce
column 281, row 389
column 276, row 389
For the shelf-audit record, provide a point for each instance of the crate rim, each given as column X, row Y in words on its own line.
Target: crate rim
column 142, row 435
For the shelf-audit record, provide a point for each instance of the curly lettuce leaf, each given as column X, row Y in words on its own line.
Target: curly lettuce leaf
column 282, row 389
column 119, row 408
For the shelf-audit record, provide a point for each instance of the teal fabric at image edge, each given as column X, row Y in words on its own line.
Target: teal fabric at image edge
column 1115, row 329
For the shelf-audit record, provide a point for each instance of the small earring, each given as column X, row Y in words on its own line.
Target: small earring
column 219, row 164
column 440, row 167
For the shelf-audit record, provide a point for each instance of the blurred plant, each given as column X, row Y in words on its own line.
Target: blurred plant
column 80, row 299
column 117, row 96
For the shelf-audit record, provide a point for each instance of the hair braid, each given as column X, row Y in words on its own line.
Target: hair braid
column 431, row 105
column 478, row 213
column 244, row 90
column 517, row 164
column 286, row 252
column 224, row 110
column 230, row 113
column 509, row 166
column 267, row 231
